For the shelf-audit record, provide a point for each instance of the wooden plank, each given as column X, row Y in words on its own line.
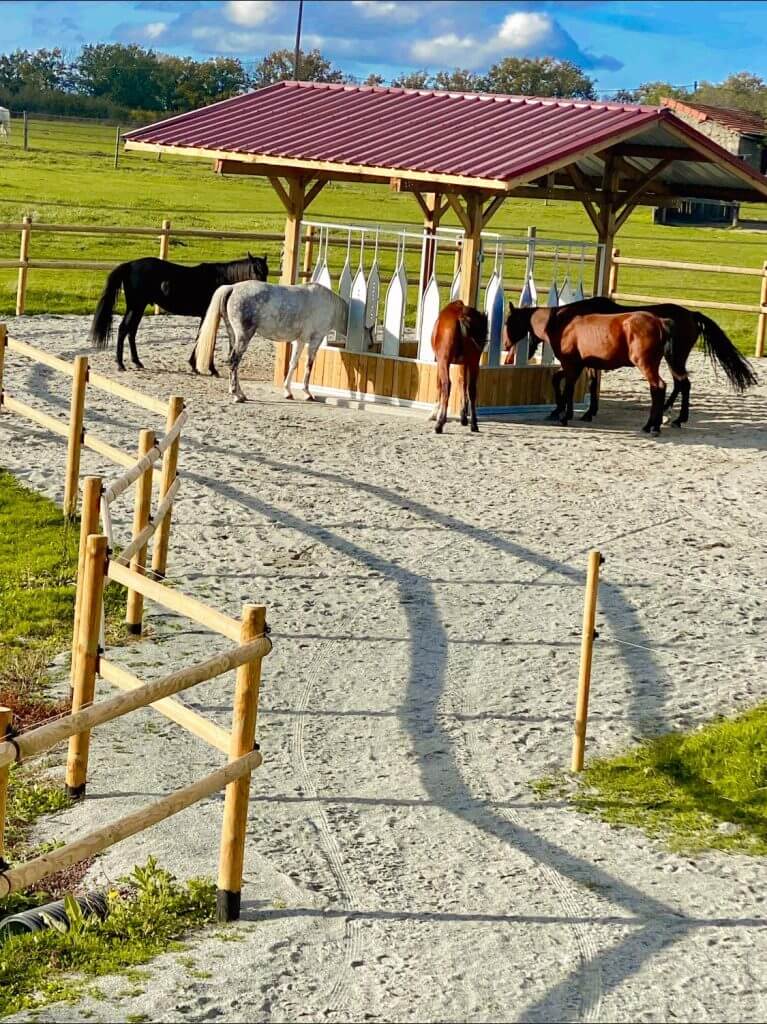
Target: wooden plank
column 101, row 383
column 655, row 300
column 380, row 373
column 706, row 268
column 390, row 366
column 175, row 601
column 108, row 451
column 38, row 356
column 59, row 427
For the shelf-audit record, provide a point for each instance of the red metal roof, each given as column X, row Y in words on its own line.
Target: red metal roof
column 470, row 137
column 464, row 134
column 745, row 122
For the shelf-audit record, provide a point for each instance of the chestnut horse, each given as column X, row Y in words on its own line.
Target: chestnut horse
column 688, row 326
column 459, row 336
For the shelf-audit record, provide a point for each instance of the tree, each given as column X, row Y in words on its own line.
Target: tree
column 129, row 75
column 202, row 82
column 460, row 80
column 542, row 76
column 742, row 90
column 374, row 80
column 277, row 66
column 41, row 70
column 413, row 80
column 651, row 93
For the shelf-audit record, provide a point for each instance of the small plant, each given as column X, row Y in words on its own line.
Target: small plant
column 150, row 915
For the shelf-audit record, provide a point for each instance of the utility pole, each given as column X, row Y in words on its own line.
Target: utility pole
column 297, row 54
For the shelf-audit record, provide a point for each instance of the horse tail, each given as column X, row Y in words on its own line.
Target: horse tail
column 720, row 349
column 206, row 339
column 101, row 328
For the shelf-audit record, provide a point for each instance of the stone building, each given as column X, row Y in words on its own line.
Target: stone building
column 741, row 132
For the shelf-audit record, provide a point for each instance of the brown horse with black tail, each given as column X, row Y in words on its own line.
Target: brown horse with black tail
column 687, row 327
column 459, row 336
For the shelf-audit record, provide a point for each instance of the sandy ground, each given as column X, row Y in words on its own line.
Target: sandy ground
column 425, row 596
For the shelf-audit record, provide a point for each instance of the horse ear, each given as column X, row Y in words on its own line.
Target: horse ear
column 250, row 256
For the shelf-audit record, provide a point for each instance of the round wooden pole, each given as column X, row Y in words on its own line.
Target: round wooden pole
column 135, row 604
column 6, row 716
column 169, row 469
column 86, row 658
column 75, row 440
column 587, row 647
column 164, row 243
column 21, row 287
column 89, row 524
column 3, row 340
column 761, row 323
column 612, row 281
column 232, row 852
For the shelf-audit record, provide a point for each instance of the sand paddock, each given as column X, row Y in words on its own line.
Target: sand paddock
column 425, row 596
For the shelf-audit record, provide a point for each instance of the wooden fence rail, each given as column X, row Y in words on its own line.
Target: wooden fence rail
column 759, row 308
column 89, row 664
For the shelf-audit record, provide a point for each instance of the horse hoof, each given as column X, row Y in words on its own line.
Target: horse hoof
column 676, row 423
column 288, row 395
column 195, row 371
column 474, row 428
column 240, row 398
column 309, row 398
column 655, row 432
column 563, row 422
column 214, row 372
column 586, row 417
column 438, row 429
column 138, row 366
column 121, row 368
column 553, row 415
column 646, row 428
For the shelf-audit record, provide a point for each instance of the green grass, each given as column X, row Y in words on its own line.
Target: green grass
column 149, row 918
column 67, row 177
column 681, row 787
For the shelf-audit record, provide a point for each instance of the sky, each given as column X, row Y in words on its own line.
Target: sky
column 620, row 44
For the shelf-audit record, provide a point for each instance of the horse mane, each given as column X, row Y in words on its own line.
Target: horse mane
column 232, row 272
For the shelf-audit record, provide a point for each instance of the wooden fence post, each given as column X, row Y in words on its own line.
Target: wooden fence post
column 164, row 243
column 26, row 131
column 117, row 146
column 761, row 323
column 245, row 712
column 308, row 253
column 21, row 287
column 86, row 658
column 587, row 648
column 612, row 280
column 134, row 614
column 74, row 444
column 169, row 464
column 3, row 339
column 6, row 716
column 89, row 524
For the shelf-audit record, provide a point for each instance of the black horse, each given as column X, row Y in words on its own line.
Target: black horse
column 186, row 291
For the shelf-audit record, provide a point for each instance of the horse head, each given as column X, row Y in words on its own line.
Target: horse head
column 259, row 268
column 517, row 328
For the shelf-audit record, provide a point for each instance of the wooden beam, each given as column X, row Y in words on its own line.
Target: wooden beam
column 629, row 203
column 636, row 149
column 314, row 191
column 472, row 242
column 422, row 203
column 281, row 193
column 463, row 217
column 491, row 209
column 579, row 181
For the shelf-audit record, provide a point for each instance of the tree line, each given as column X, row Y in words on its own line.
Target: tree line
column 130, row 81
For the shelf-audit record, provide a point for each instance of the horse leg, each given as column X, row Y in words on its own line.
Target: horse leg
column 134, row 325
column 466, row 398
column 443, row 375
column 672, row 397
column 122, row 330
column 473, row 373
column 593, row 408
column 684, row 413
column 572, row 373
column 314, row 344
column 556, row 380
column 238, row 348
column 657, row 396
column 295, row 354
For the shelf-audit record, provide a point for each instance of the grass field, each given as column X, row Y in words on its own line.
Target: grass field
column 67, row 177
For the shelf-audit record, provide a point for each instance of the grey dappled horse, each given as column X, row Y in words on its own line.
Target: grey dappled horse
column 302, row 314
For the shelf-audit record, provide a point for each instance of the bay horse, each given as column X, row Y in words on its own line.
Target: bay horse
column 299, row 313
column 186, row 291
column 688, row 326
column 459, row 336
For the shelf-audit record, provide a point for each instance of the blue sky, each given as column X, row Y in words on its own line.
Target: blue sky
column 619, row 43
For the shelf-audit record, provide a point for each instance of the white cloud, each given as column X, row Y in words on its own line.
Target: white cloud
column 524, row 29
column 523, row 33
column 388, row 9
column 154, row 29
column 249, row 13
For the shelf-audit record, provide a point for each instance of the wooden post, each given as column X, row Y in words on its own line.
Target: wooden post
column 245, row 712
column 470, row 257
column 26, row 131
column 163, row 254
column 21, row 287
column 89, row 524
column 432, row 216
column 74, row 444
column 169, row 464
column 587, row 647
column 761, row 323
column 134, row 614
column 308, row 253
column 117, row 146
column 6, row 715
column 457, row 256
column 86, row 658
column 3, row 338
column 612, row 280
column 293, row 201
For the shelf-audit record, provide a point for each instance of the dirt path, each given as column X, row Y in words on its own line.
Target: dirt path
column 425, row 596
